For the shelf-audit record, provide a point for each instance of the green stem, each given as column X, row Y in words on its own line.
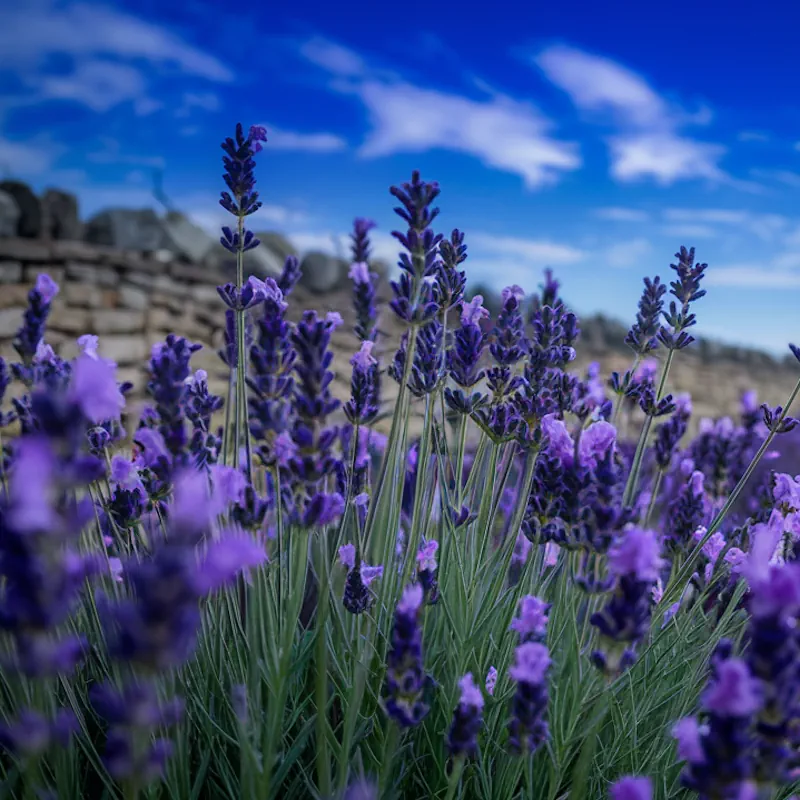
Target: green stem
column 321, row 683
column 455, row 777
column 387, row 760
column 653, row 497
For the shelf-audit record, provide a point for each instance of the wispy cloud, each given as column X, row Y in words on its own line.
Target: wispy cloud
column 690, row 231
column 754, row 276
column 649, row 143
column 35, row 29
column 103, row 54
column 111, row 152
column 280, row 139
column 536, row 250
column 618, row 214
column 503, row 133
column 784, row 176
column 752, row 136
column 628, row 254
column 766, row 227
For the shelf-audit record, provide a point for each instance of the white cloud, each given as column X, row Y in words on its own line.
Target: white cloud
column 33, row 30
column 307, row 142
column 541, row 251
column 752, row 136
column 628, row 254
column 690, row 231
column 333, row 57
column 753, row 276
column 98, row 84
column 26, row 159
column 617, row 214
column 501, row 132
column 111, row 153
column 665, row 157
column 766, row 227
column 784, row 176
column 648, row 143
column 205, row 101
column 599, row 84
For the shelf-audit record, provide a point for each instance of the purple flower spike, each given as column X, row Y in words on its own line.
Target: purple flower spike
column 93, row 387
column 528, row 728
column 323, row 509
column 467, row 719
column 491, row 680
column 531, row 624
column 406, row 680
column 632, row 788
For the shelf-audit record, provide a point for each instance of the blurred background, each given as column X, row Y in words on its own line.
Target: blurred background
column 593, row 139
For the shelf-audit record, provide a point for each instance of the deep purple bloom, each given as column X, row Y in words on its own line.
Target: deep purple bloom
column 364, row 403
column 323, row 509
column 464, row 357
column 238, row 175
column 363, row 280
column 35, row 319
column 686, row 290
column 642, row 337
column 528, row 728
column 462, row 739
column 719, row 749
column 632, row 788
column 290, row 275
column 357, row 595
column 406, row 681
column 451, row 281
column 427, row 569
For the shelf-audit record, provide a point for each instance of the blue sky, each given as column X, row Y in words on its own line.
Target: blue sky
column 592, row 138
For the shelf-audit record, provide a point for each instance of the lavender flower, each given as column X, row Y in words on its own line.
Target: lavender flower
column 467, row 719
column 363, row 280
column 290, row 275
column 464, row 357
column 491, row 681
column 93, row 387
column 719, row 751
column 531, row 624
column 427, row 569
column 632, row 788
column 406, row 681
column 642, row 337
column 364, row 403
column 239, row 178
column 634, row 561
column 357, row 595
column 686, row 290
column 29, row 336
column 528, row 729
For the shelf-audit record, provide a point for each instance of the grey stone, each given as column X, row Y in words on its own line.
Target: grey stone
column 186, row 239
column 277, row 243
column 133, row 297
column 126, row 229
column 60, row 217
column 208, row 295
column 10, row 321
column 29, row 225
column 82, row 295
column 24, row 250
column 91, row 273
column 9, row 215
column 143, row 279
column 14, row 295
column 322, row 272
column 69, row 320
column 118, row 321
column 10, row 272
column 125, row 350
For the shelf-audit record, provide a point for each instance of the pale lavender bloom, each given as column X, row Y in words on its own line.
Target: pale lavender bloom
column 370, row 574
column 347, row 555
column 124, row 473
column 362, row 790
column 364, row 359
column 687, row 733
column 560, row 443
column 334, row 318
column 229, row 484
column 361, row 500
column 89, row 345
column 764, row 541
column 44, row 353
column 359, row 272
column 636, row 552
column 647, row 370
column 194, row 506
column 411, row 601
column 734, row 692
column 750, row 402
column 512, row 291
column 473, row 312
column 471, row 695
column 152, row 447
column 491, row 680
column 532, row 663
column 284, row 449
column 115, row 567
column 532, row 619
column 226, row 558
column 426, row 557
column 47, row 288
column 658, row 591
column 683, row 403
column 786, row 491
column 522, row 549
column 632, row 788
column 93, row 386
column 551, row 551
column 31, row 485
column 596, row 442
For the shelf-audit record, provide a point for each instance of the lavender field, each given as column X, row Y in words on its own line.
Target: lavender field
column 512, row 599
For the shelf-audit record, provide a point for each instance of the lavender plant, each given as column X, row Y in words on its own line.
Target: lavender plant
column 504, row 597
